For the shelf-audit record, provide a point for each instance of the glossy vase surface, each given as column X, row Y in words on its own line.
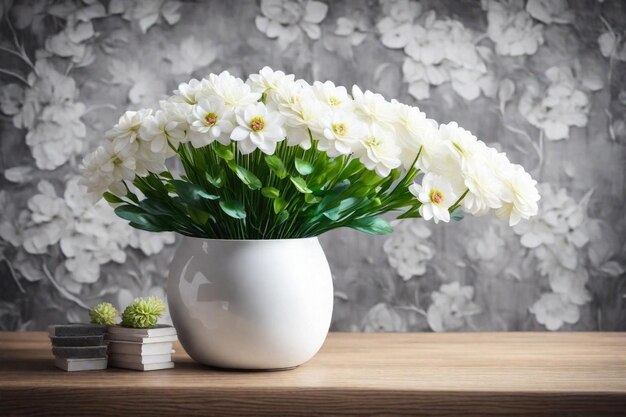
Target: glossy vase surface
column 250, row 304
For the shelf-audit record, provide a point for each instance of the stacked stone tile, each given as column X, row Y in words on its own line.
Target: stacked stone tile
column 78, row 347
column 141, row 349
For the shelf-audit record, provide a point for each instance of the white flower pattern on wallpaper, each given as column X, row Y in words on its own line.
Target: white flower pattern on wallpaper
column 520, row 70
column 558, row 108
column 408, row 249
column 437, row 51
column 50, row 114
column 287, row 20
column 512, row 29
column 451, row 305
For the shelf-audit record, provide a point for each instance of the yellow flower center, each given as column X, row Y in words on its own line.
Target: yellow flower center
column 211, row 118
column 257, row 123
column 340, row 129
column 334, row 101
column 436, row 196
column 372, row 142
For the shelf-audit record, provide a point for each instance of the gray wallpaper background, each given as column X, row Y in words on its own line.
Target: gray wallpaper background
column 543, row 80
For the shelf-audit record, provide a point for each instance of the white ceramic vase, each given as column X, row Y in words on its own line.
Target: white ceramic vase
column 250, row 304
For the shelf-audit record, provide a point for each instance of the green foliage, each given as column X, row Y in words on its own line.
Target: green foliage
column 293, row 193
column 143, row 313
column 104, row 314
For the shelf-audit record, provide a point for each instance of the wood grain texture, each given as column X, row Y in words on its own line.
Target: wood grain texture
column 353, row 375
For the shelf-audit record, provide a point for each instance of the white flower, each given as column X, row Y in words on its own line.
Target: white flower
column 485, row 187
column 436, row 195
column 414, row 132
column 451, row 305
column 210, row 120
column 105, row 169
column 232, row 90
column 304, row 114
column 148, row 161
column 463, row 145
column 409, row 249
column 485, row 190
column 372, row 107
column 159, row 129
column 378, row 151
column 553, row 311
column 287, row 95
column 287, row 19
column 257, row 127
column 192, row 91
column 339, row 133
column 267, row 80
column 126, row 131
column 335, row 97
column 522, row 203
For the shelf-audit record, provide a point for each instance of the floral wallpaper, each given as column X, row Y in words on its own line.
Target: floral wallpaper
column 543, row 80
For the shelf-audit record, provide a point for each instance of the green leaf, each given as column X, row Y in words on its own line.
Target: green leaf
column 246, row 176
column 166, row 174
column 149, row 227
column 303, row 167
column 282, row 217
column 169, row 187
column 156, row 207
column 234, row 209
column 276, row 165
column 457, row 214
column 193, row 194
column 198, row 216
column 279, row 205
column 335, row 213
column 312, row 199
column 224, row 152
column 217, row 182
column 353, row 167
column 112, row 198
column 369, row 178
column 139, row 219
column 371, row 225
column 300, row 184
column 132, row 197
column 270, row 192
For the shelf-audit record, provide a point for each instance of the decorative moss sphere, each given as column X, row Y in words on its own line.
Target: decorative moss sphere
column 103, row 314
column 143, row 313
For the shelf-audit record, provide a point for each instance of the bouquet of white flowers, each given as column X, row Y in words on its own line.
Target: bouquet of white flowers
column 274, row 158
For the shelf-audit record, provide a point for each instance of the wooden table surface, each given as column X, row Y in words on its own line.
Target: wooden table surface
column 354, row 374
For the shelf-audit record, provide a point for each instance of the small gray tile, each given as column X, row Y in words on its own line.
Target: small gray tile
column 77, row 340
column 80, row 352
column 77, row 329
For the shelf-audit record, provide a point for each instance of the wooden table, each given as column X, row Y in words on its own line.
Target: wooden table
column 353, row 375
